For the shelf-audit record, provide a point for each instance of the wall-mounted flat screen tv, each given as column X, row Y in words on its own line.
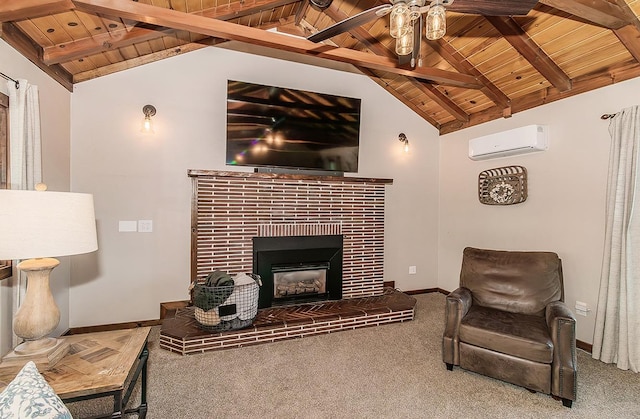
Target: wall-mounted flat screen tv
column 278, row 127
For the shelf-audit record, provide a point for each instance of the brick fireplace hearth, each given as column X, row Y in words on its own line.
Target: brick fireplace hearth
column 181, row 334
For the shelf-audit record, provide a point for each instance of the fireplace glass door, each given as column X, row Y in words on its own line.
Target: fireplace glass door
column 299, row 281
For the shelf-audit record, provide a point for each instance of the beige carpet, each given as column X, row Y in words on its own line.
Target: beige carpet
column 390, row 371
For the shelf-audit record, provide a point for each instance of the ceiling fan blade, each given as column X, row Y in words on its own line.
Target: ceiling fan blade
column 351, row 22
column 492, row 7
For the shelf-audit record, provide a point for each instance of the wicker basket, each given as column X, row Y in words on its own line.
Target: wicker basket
column 503, row 185
column 223, row 308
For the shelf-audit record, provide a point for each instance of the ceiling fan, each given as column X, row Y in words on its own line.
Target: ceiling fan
column 405, row 21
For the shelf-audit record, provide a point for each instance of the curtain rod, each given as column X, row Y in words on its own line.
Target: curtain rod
column 9, row 78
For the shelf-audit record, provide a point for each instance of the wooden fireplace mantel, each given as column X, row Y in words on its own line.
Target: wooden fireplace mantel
column 252, row 175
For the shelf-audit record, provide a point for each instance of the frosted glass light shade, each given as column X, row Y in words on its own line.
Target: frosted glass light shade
column 38, row 224
column 436, row 25
column 399, row 21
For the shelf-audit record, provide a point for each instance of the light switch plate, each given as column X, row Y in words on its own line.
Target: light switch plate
column 127, row 226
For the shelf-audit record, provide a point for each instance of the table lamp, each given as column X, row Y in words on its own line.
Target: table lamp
column 36, row 226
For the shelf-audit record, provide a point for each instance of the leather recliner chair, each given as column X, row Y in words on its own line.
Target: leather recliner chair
column 508, row 321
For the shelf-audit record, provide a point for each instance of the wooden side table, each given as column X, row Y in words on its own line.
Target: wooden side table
column 101, row 364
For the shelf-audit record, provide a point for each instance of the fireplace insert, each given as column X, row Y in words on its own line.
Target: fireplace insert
column 297, row 269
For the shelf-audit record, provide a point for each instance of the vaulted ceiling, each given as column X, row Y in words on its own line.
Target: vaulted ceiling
column 484, row 68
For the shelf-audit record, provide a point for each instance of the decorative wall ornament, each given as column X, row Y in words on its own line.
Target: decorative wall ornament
column 503, row 185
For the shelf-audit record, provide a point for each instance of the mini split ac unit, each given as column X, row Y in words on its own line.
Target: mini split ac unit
column 510, row 143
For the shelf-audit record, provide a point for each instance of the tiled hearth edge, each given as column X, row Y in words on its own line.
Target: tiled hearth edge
column 230, row 208
column 182, row 335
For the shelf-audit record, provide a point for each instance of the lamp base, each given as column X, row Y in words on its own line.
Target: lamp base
column 36, row 318
column 43, row 352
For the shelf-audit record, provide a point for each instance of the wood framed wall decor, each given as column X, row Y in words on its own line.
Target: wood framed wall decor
column 503, row 185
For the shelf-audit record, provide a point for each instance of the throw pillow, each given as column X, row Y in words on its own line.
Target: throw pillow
column 30, row 396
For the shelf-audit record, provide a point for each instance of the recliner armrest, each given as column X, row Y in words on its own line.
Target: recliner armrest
column 562, row 328
column 557, row 311
column 457, row 305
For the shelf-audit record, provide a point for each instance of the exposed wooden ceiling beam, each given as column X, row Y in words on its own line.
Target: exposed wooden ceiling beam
column 441, row 99
column 25, row 46
column 376, row 47
column 497, row 7
column 13, row 10
column 96, row 44
column 290, row 27
column 626, row 9
column 361, row 34
column 365, row 37
column 460, row 63
column 81, row 48
column 517, row 37
column 138, row 61
column 600, row 12
column 630, row 37
column 300, row 13
column 283, row 23
column 538, row 98
column 419, row 111
column 213, row 27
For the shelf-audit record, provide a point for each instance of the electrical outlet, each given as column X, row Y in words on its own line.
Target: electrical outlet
column 582, row 309
column 145, row 226
column 412, row 270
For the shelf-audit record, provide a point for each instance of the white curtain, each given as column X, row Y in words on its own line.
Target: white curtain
column 617, row 332
column 24, row 136
column 25, row 160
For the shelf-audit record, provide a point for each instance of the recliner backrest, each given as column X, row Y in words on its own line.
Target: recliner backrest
column 518, row 282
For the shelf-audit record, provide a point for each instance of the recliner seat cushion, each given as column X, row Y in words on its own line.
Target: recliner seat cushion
column 520, row 335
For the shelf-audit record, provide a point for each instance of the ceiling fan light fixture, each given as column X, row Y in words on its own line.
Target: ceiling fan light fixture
column 321, row 4
column 404, row 44
column 399, row 20
column 436, row 22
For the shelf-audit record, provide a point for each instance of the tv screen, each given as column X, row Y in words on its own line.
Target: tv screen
column 278, row 127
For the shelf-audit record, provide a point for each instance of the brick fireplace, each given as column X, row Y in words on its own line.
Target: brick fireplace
column 232, row 210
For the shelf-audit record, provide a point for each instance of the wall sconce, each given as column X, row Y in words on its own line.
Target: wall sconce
column 403, row 138
column 147, row 124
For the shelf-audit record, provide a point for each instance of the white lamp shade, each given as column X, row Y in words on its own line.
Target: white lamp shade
column 37, row 224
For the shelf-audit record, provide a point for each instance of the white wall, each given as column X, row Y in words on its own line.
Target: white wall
column 134, row 177
column 564, row 212
column 55, row 103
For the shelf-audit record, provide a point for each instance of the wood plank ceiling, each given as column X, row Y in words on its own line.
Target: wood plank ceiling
column 483, row 69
